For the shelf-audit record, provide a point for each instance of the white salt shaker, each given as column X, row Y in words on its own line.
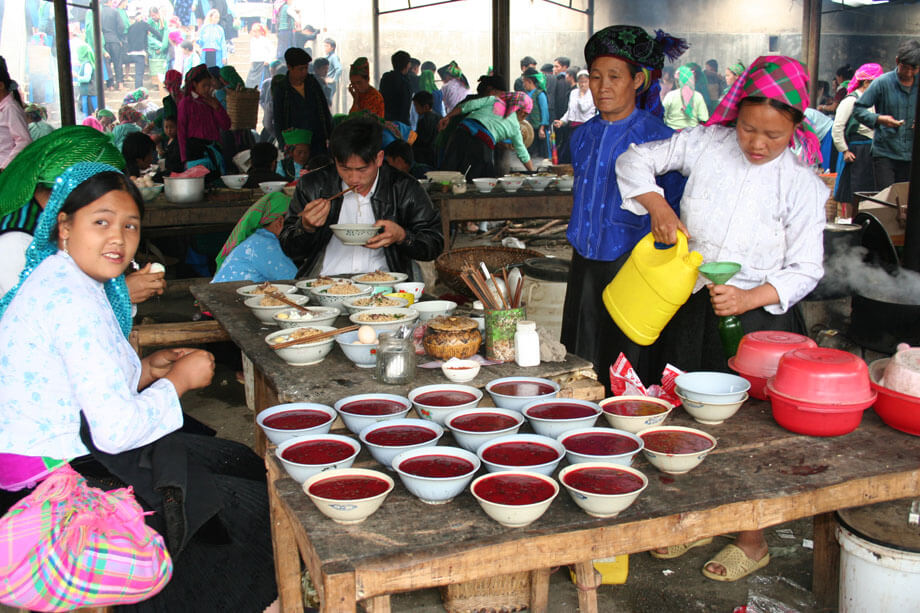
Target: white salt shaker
column 526, row 344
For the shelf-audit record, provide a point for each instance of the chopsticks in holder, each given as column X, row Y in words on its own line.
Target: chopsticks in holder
column 342, row 193
column 516, row 301
column 287, row 301
column 498, row 290
column 314, row 339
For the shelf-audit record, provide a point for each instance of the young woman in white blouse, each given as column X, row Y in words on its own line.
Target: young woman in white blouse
column 748, row 199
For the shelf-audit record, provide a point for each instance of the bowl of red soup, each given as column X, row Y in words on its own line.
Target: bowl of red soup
column 285, row 421
column 437, row 402
column 361, row 410
column 514, row 498
column 635, row 413
column 304, row 456
column 388, row 439
column 539, row 454
column 515, row 392
column 435, row 475
column 674, row 449
column 348, row 495
column 600, row 445
column 602, row 489
column 473, row 427
column 557, row 415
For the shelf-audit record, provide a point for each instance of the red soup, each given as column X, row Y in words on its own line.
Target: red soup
column 603, row 481
column 520, row 453
column 514, row 489
column 675, row 441
column 296, row 419
column 373, row 406
column 483, row 422
column 437, row 466
column 323, row 451
column 400, row 436
column 635, row 408
column 560, row 410
column 445, row 398
column 600, row 443
column 351, row 487
column 522, row 388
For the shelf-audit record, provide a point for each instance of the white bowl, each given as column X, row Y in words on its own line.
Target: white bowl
column 413, row 287
column 486, row 184
column 304, row 354
column 565, row 183
column 305, row 285
column 385, row 453
column 234, row 181
column 357, row 422
column 624, row 459
column 407, row 317
column 355, row 234
column 269, row 187
column 320, row 294
column 318, row 316
column 429, row 309
column 278, row 435
column 471, row 440
column 352, row 308
column 300, row 472
column 545, row 468
column 602, row 505
column 460, row 371
column 348, row 511
column 150, row 192
column 711, row 413
column 397, row 277
column 435, row 490
column 514, row 515
column 363, row 355
column 538, row 183
column 439, row 414
column 265, row 314
column 249, row 290
column 511, row 184
column 553, row 427
column 635, row 423
column 517, row 403
column 676, row 463
column 718, row 387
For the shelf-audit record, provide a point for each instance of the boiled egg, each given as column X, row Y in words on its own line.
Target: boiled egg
column 367, row 335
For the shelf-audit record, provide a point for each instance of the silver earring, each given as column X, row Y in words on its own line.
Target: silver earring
column 65, row 246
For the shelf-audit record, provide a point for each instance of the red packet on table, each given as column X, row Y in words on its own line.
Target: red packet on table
column 625, row 382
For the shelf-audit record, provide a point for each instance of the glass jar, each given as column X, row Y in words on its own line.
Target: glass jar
column 395, row 359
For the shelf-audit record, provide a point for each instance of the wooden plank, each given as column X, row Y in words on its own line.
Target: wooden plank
column 264, row 396
column 179, row 334
column 287, row 556
column 378, row 604
column 339, row 593
column 825, row 576
column 539, row 590
column 587, row 581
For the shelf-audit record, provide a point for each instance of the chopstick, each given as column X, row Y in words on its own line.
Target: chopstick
column 314, row 339
column 282, row 298
column 342, row 193
column 516, row 302
column 488, row 277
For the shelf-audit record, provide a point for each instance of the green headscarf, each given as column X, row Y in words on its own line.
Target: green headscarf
column 686, row 85
column 297, row 136
column 85, row 54
column 737, row 68
column 231, row 77
column 266, row 209
column 43, row 160
column 426, row 82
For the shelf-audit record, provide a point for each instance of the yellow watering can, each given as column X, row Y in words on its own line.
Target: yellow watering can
column 653, row 283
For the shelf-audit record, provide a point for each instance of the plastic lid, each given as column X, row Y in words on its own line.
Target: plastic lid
column 525, row 325
column 554, row 270
column 478, row 306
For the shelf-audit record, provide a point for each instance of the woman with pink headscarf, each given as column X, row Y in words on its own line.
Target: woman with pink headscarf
column 684, row 107
column 854, row 141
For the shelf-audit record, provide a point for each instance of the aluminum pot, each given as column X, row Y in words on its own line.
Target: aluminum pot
column 181, row 189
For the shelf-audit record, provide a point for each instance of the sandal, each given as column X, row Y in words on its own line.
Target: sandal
column 736, row 563
column 675, row 551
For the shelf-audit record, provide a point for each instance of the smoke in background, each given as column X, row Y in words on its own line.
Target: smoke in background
column 849, row 272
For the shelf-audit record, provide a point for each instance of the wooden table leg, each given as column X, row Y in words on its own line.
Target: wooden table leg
column 539, row 590
column 445, row 222
column 825, row 577
column 263, row 397
column 587, row 580
column 377, row 604
column 339, row 594
column 287, row 555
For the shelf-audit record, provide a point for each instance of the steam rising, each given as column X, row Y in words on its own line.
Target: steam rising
column 848, row 272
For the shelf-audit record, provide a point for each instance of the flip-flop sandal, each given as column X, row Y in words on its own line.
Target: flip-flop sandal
column 736, row 564
column 675, row 551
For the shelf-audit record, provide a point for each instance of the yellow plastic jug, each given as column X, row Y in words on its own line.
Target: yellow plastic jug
column 650, row 287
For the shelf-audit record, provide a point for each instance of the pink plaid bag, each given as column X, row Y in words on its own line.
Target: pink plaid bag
column 67, row 545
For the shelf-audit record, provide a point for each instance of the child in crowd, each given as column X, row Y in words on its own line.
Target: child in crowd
column 398, row 154
column 252, row 252
column 297, row 152
column 426, row 129
column 169, row 146
column 263, row 159
column 138, row 150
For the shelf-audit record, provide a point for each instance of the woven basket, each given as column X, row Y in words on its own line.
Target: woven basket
column 450, row 264
column 502, row 594
column 243, row 108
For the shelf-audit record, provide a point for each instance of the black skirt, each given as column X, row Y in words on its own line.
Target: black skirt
column 858, row 175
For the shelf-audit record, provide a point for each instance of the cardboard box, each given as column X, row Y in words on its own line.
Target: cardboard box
column 884, row 206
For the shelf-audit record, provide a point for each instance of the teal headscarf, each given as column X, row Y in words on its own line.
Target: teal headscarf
column 43, row 246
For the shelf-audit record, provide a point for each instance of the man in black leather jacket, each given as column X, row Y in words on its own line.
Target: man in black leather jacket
column 411, row 225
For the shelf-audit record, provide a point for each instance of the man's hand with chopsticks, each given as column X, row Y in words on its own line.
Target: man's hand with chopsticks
column 392, row 233
column 314, row 214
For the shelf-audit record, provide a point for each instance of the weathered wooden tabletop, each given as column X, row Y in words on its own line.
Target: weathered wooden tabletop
column 220, row 207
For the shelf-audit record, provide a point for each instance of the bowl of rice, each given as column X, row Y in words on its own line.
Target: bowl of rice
column 385, row 319
column 375, row 301
column 315, row 316
column 336, row 294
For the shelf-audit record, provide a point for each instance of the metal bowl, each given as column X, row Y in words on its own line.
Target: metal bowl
column 184, row 189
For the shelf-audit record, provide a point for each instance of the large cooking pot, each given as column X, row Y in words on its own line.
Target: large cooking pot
column 840, row 239
column 881, row 323
column 184, row 189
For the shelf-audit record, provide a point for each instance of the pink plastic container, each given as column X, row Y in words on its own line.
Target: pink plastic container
column 823, row 376
column 759, row 353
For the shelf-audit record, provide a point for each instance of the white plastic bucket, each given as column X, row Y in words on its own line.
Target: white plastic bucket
column 876, row 578
column 544, row 301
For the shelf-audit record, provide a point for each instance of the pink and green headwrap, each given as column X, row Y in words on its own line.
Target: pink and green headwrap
column 266, row 209
column 511, row 102
column 866, row 72
column 776, row 77
column 687, row 83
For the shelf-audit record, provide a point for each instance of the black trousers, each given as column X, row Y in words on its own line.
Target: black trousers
column 888, row 171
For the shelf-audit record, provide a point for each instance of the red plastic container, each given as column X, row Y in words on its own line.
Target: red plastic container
column 759, row 353
column 758, row 384
column 821, row 376
column 815, row 420
column 900, row 411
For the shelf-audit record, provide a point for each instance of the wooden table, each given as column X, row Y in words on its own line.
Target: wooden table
column 222, row 208
column 523, row 204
